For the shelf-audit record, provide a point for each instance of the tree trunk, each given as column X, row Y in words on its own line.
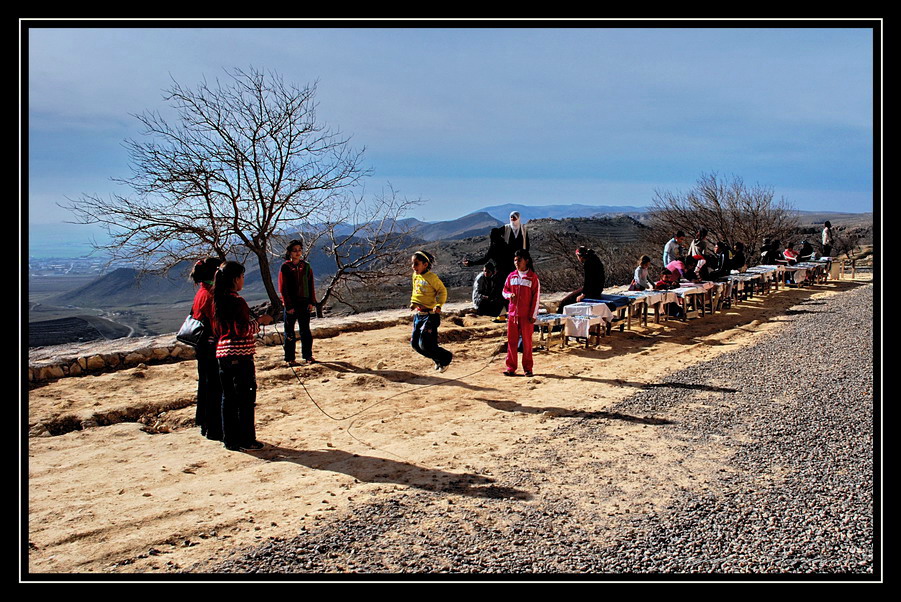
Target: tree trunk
column 266, row 275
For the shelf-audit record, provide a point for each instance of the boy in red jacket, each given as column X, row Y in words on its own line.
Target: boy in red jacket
column 522, row 290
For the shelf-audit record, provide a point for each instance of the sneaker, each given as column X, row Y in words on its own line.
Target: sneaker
column 253, row 445
column 291, row 362
column 529, row 374
column 509, row 373
column 441, row 368
column 309, row 361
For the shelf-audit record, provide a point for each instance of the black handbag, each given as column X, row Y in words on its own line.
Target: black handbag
column 191, row 332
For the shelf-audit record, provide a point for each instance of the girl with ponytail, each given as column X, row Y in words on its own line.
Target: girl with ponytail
column 235, row 331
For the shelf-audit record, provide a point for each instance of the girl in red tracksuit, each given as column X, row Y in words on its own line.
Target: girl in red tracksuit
column 522, row 290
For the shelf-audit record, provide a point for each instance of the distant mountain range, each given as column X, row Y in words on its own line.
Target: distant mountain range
column 69, row 240
column 530, row 212
column 126, row 287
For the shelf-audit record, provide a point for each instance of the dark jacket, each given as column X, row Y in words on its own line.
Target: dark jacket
column 593, row 285
column 295, row 284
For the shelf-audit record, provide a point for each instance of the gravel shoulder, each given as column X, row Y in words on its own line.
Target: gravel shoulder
column 774, row 449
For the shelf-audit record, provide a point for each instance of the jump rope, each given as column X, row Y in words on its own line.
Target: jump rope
column 356, row 414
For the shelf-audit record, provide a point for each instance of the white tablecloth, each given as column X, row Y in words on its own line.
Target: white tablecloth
column 589, row 309
column 578, row 326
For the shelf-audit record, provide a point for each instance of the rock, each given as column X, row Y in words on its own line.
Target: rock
column 95, row 362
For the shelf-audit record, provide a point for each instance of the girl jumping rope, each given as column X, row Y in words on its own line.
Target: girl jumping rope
column 522, row 290
column 429, row 294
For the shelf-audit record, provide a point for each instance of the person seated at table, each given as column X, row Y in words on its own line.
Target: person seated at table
column 806, row 251
column 640, row 280
column 676, row 267
column 738, row 262
column 686, row 270
column 694, row 269
column 593, row 281
column 486, row 298
column 789, row 254
column 668, row 280
column 719, row 264
column 770, row 252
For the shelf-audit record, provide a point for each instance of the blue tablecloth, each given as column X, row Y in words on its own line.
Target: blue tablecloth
column 614, row 302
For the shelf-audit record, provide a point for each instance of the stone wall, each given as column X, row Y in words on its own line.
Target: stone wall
column 60, row 361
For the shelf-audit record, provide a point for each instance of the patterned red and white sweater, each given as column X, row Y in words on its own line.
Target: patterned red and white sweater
column 237, row 338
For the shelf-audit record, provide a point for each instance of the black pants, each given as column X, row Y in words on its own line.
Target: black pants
column 568, row 300
column 209, row 392
column 300, row 320
column 490, row 307
column 239, row 396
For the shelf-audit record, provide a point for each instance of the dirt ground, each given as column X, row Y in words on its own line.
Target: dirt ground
column 145, row 493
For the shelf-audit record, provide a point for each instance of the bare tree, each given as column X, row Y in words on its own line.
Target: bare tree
column 730, row 211
column 238, row 162
column 619, row 259
column 365, row 238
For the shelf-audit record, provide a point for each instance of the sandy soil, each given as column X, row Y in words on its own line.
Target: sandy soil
column 144, row 492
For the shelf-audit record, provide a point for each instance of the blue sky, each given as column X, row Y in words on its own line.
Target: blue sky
column 467, row 117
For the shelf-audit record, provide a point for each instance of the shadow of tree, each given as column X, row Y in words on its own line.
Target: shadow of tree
column 368, row 469
column 402, row 376
column 513, row 406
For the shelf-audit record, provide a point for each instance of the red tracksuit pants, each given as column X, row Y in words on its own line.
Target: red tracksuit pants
column 517, row 327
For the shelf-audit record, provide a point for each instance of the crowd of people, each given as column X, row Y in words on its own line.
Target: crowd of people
column 507, row 289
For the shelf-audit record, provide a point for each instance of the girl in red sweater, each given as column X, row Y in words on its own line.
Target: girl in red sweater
column 523, row 291
column 209, row 392
column 235, row 332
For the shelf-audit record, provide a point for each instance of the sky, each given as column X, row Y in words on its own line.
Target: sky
column 464, row 115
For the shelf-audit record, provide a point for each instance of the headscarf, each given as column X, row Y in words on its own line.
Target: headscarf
column 515, row 222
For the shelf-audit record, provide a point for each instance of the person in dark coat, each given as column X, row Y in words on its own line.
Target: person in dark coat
column 718, row 266
column 738, row 261
column 504, row 242
column 297, row 289
column 486, row 297
column 593, row 282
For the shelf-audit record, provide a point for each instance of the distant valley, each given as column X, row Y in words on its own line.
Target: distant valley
column 122, row 301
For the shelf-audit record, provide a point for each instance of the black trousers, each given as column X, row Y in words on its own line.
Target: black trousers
column 209, row 392
column 300, row 320
column 239, row 396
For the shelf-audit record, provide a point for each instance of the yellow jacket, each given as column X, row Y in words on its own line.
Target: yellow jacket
column 428, row 290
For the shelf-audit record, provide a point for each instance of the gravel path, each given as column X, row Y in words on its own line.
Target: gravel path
column 793, row 494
